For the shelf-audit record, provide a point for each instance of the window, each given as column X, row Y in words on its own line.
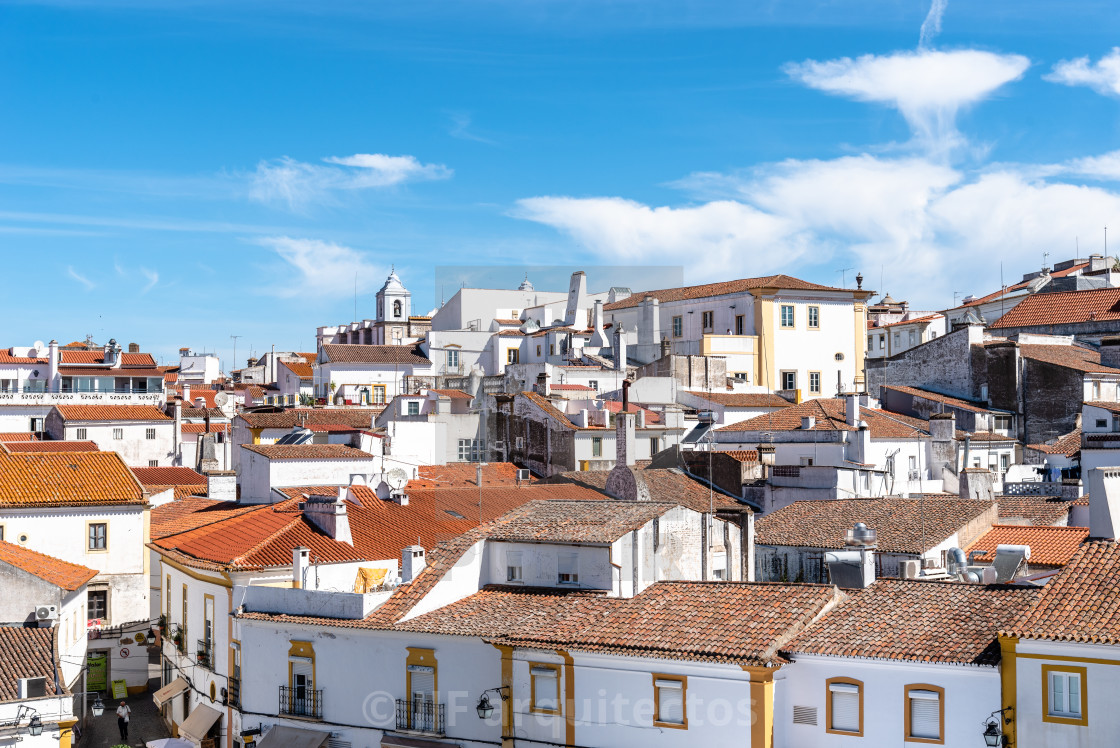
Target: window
column 593, row 384
column 98, row 536
column 789, row 380
column 806, row 461
column 1, row 532
column 538, row 350
column 740, row 324
column 153, row 463
column 511, row 356
column 552, row 349
column 596, row 446
column 814, row 317
column 913, row 338
column 1002, row 423
column 707, row 320
column 567, row 568
column 1115, row 422
column 149, row 433
column 678, row 327
column 654, row 445
column 469, row 450
column 167, row 600
column 97, row 602
column 1102, row 423
column 1064, row 694
column 1096, row 390
column 453, row 359
column 815, row 381
column 844, row 706
column 882, row 342
column 925, row 716
column 118, row 433
column 1004, row 463
column 81, row 434
column 36, row 424
column 379, row 394
column 787, row 315
column 545, row 688
column 870, row 342
column 668, row 700
column 896, row 340
column 513, row 567
column 413, row 408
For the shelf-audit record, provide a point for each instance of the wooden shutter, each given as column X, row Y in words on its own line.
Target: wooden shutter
column 925, row 715
column 845, row 707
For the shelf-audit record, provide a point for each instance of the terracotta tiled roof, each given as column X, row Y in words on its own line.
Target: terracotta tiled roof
column 916, row 320
column 743, row 455
column 829, row 415
column 454, row 394
column 191, row 512
column 784, row 282
column 665, row 485
column 169, row 476
column 744, row 399
column 550, row 410
column 652, row 417
column 18, row 436
column 903, row 525
column 60, row 573
column 508, row 334
column 985, row 436
column 733, row 622
column 1067, row 445
column 28, row 653
column 200, row 413
column 332, row 428
column 359, row 418
column 1063, row 308
column 52, row 446
column 1037, row 510
column 1109, row 406
column 574, row 521
column 67, row 479
column 375, row 354
column 98, row 357
column 896, row 619
column 200, row 428
column 1082, row 603
column 507, row 321
column 463, row 474
column 937, row 397
column 1020, row 286
column 205, row 393
column 308, row 451
column 6, row 357
column 301, row 369
column 112, row 413
column 571, row 388
column 1070, row 356
column 1050, row 546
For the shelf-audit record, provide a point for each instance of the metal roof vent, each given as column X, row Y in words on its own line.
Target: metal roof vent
column 861, row 536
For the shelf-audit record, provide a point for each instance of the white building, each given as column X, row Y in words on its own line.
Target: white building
column 87, row 508
column 31, row 699
column 395, row 323
column 198, row 368
column 266, row 467
column 432, row 427
column 143, row 435
column 367, row 374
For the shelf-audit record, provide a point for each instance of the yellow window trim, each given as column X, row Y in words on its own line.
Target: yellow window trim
column 906, row 736
column 533, row 688
column 1083, row 720
column 423, row 657
column 683, row 680
column 828, row 705
column 301, row 649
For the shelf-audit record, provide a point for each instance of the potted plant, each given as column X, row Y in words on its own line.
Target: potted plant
column 163, row 625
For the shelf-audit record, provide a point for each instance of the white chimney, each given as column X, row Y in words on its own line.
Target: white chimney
column 329, row 515
column 808, row 422
column 221, row 485
column 851, row 409
column 413, row 562
column 1104, row 502
column 187, row 394
column 52, row 367
column 299, row 566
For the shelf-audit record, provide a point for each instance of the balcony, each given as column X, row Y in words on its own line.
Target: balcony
column 204, row 654
column 420, row 716
column 301, row 702
column 179, row 637
column 234, row 692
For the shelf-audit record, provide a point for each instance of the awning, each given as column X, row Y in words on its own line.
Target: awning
column 282, row 736
column 400, row 741
column 170, row 691
column 195, row 727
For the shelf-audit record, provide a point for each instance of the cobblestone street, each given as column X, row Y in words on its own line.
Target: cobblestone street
column 145, row 723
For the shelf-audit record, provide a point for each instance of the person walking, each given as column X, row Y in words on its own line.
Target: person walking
column 123, row 713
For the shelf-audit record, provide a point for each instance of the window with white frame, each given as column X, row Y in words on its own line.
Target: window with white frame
column 511, row 356
column 845, row 705
column 468, row 450
column 149, row 434
column 513, row 567
column 567, row 568
column 923, row 713
column 413, row 408
column 787, row 315
column 707, row 320
column 81, row 433
column 814, row 317
column 545, row 688
column 1065, row 697
column 789, row 380
column 668, row 699
column 379, row 394
column 596, row 446
column 452, row 359
column 814, row 381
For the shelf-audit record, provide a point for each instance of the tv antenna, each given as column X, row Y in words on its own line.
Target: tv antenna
column 844, row 276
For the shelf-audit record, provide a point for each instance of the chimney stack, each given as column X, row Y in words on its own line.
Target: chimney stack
column 300, row 558
column 52, row 366
column 413, row 562
column 1104, row 502
column 851, row 409
column 1110, row 352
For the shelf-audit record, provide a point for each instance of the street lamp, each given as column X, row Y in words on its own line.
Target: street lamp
column 35, row 726
column 98, row 707
column 993, row 730
column 484, row 708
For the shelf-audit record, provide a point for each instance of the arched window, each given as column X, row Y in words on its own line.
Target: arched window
column 397, row 308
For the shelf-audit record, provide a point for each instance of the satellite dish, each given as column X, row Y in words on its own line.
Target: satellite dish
column 39, row 347
column 221, row 399
column 396, row 478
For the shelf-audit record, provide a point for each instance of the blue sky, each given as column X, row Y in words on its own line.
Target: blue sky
column 174, row 173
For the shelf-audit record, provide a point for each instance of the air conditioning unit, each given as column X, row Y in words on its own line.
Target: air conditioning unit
column 915, row 475
column 46, row 613
column 523, row 475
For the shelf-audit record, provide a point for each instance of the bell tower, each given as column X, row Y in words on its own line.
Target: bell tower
column 394, row 305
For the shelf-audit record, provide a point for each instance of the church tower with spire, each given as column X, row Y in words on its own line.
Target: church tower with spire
column 394, row 306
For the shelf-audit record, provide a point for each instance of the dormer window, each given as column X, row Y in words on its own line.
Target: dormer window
column 413, row 408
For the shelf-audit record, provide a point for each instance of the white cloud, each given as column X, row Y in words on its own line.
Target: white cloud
column 1103, row 76
column 74, row 274
column 153, row 279
column 320, row 267
column 460, row 128
column 928, row 88
column 298, row 185
column 931, row 27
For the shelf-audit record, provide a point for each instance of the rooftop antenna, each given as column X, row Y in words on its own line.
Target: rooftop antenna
column 235, row 337
column 844, row 276
column 355, row 296
column 1106, row 241
column 1046, row 255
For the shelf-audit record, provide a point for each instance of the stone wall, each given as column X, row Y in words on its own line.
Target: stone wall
column 948, row 364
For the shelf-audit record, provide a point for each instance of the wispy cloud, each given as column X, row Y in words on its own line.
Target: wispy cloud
column 153, row 278
column 320, row 267
column 1103, row 76
column 298, row 185
column 931, row 27
column 75, row 275
column 460, row 128
column 928, row 88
